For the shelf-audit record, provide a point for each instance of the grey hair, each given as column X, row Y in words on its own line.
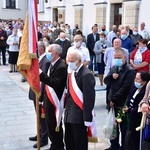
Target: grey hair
column 121, row 50
column 78, row 54
column 41, row 45
column 57, row 48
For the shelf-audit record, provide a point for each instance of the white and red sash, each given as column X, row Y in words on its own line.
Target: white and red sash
column 77, row 96
column 58, row 104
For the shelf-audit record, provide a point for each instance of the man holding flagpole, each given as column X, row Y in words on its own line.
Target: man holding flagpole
column 79, row 103
column 55, row 81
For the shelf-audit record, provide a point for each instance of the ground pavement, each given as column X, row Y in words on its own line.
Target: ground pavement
column 17, row 115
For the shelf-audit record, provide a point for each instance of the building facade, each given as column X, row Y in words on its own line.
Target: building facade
column 88, row 12
column 83, row 12
column 13, row 9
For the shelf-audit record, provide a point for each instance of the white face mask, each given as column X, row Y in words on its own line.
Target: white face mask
column 77, row 44
column 72, row 65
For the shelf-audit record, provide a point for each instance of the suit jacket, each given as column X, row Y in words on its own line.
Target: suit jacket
column 91, row 42
column 44, row 65
column 65, row 47
column 3, row 42
column 135, row 116
column 86, row 83
column 57, row 77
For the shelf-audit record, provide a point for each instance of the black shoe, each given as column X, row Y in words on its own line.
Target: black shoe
column 34, row 138
column 41, row 144
column 10, row 71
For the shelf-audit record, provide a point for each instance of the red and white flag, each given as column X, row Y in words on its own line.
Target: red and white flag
column 27, row 61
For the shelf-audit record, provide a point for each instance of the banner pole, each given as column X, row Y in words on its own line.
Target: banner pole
column 37, row 122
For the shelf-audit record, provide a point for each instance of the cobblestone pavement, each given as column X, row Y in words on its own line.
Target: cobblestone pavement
column 17, row 115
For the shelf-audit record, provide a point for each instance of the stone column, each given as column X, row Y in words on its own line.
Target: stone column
column 101, row 12
column 61, row 14
column 130, row 13
column 78, row 18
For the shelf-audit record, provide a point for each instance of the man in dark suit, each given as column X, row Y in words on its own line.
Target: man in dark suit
column 78, row 116
column 44, row 65
column 64, row 43
column 56, row 81
column 3, row 39
column 92, row 38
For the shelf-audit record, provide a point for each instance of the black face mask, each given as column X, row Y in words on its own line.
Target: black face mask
column 103, row 29
column 76, row 27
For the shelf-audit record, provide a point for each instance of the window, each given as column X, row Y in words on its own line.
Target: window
column 11, row 4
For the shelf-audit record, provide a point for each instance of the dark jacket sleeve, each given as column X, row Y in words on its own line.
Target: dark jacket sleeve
column 88, row 96
column 125, row 89
column 109, row 78
column 57, row 79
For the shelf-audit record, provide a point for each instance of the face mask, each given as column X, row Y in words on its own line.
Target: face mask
column 14, row 33
column 45, row 43
column 49, row 56
column 103, row 29
column 72, row 65
column 123, row 37
column 137, row 85
column 118, row 62
column 62, row 39
column 135, row 33
column 77, row 45
column 102, row 39
column 49, row 34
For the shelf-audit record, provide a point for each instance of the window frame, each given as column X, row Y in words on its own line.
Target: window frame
column 11, row 6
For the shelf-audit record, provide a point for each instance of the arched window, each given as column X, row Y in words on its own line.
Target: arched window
column 11, row 4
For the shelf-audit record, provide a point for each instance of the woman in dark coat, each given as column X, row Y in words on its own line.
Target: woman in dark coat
column 134, row 117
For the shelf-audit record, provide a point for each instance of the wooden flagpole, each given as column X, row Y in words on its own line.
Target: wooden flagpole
column 38, row 122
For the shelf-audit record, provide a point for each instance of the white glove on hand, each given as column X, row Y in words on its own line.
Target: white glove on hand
column 40, row 71
column 87, row 123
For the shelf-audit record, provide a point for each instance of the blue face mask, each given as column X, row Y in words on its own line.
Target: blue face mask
column 137, row 85
column 123, row 37
column 102, row 39
column 49, row 56
column 118, row 62
column 62, row 39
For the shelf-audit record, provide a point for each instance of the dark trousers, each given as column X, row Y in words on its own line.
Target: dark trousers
column 43, row 129
column 121, row 127
column 56, row 138
column 76, row 137
column 3, row 51
column 93, row 62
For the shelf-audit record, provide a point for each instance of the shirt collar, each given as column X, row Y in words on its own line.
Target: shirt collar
column 79, row 68
column 40, row 58
column 53, row 63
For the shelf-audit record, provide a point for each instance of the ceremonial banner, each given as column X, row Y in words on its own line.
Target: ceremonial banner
column 27, row 61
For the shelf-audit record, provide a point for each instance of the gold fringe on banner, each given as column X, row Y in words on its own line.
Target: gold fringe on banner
column 93, row 139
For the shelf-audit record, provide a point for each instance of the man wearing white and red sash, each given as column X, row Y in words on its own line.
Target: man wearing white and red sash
column 53, row 103
column 79, row 103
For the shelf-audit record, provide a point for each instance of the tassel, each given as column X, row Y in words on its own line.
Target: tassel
column 57, row 129
column 42, row 112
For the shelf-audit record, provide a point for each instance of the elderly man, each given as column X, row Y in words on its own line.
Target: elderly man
column 120, row 79
column 135, row 37
column 78, row 47
column 64, row 43
column 108, row 56
column 110, row 61
column 143, row 32
column 44, row 65
column 126, row 41
column 79, row 104
column 3, row 38
column 55, row 81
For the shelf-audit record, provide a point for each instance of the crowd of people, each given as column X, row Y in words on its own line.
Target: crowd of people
column 68, row 62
